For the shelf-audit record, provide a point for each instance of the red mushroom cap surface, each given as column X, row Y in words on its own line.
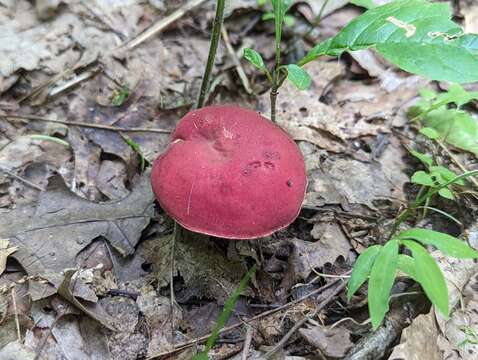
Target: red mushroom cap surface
column 230, row 173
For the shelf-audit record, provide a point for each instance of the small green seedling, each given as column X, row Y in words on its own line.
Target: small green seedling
column 416, row 35
column 119, row 96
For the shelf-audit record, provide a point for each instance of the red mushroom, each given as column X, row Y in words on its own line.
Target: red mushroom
column 230, row 173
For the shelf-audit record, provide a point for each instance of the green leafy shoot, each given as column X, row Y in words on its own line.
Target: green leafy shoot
column 447, row 244
column 362, row 268
column 137, row 149
column 226, row 313
column 429, row 276
column 406, row 265
column 119, row 96
column 416, row 35
column 451, row 125
column 298, row 77
column 381, row 281
column 256, row 59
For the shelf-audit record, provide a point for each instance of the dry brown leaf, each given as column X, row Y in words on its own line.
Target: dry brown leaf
column 50, row 234
column 333, row 343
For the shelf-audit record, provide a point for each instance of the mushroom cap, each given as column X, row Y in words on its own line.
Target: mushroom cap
column 230, row 173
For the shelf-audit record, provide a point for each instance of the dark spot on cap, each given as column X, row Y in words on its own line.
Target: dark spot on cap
column 289, row 183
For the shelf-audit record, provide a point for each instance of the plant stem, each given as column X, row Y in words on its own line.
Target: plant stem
column 215, row 36
column 276, row 71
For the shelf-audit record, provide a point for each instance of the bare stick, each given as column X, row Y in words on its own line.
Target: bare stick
column 23, row 180
column 81, row 124
column 237, row 63
column 216, row 33
column 17, row 322
column 247, row 342
column 161, row 24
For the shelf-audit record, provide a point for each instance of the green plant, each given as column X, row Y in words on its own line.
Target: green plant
column 416, row 35
column 226, row 312
column 440, row 121
column 119, row 96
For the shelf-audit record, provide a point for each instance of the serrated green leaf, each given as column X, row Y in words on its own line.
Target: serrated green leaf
column 406, row 264
column 298, row 76
column 416, row 35
column 447, row 244
column 268, row 16
column 362, row 269
column 456, row 127
column 446, row 193
column 429, row 276
column 422, row 178
column 254, row 58
column 425, row 159
column 381, row 281
column 429, row 133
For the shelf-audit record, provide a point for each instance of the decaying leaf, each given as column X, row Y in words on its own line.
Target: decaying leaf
column 333, row 343
column 205, row 270
column 94, row 310
column 51, row 234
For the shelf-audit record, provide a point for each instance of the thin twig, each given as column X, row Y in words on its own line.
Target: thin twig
column 161, row 25
column 12, row 116
column 247, row 342
column 17, row 322
column 216, row 34
column 300, row 323
column 237, row 63
column 201, row 339
column 23, row 180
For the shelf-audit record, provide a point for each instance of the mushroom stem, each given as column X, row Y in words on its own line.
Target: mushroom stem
column 215, row 36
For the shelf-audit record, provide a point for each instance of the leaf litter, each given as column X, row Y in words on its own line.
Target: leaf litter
column 90, row 254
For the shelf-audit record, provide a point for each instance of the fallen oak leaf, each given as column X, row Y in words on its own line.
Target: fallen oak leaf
column 50, row 234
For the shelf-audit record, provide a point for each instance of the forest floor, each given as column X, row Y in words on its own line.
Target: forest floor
column 85, row 255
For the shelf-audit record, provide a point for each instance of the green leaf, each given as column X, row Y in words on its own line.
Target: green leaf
column 416, row 35
column 445, row 175
column 456, row 127
column 137, row 149
column 368, row 4
column 381, row 281
column 429, row 276
column 447, row 244
column 422, row 178
column 298, row 76
column 362, row 269
column 406, row 264
column 429, row 133
column 446, row 193
column 280, row 8
column 456, row 94
column 268, row 16
column 289, row 20
column 425, row 159
column 254, row 58
column 226, row 312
